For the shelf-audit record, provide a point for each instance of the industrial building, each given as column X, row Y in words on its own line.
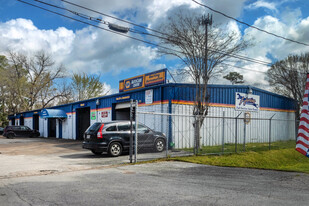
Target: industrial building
column 153, row 94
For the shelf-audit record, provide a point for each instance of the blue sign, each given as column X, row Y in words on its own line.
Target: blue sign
column 134, row 83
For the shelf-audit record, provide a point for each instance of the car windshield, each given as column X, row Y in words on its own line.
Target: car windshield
column 94, row 127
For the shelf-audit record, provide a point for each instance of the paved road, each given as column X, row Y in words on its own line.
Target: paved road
column 60, row 173
column 165, row 183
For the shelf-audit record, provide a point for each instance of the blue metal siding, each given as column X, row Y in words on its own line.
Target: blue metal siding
column 222, row 94
column 225, row 94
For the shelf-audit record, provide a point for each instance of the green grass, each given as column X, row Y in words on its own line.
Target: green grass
column 282, row 156
column 256, row 147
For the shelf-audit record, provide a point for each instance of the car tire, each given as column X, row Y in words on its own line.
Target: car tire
column 159, row 145
column 96, row 152
column 10, row 136
column 115, row 149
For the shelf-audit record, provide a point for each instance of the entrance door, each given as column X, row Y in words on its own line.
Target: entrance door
column 51, row 127
column 35, row 124
column 13, row 121
column 122, row 111
column 82, row 122
column 21, row 121
column 60, row 128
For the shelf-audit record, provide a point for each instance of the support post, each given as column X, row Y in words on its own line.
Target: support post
column 136, row 126
column 269, row 143
column 236, row 132
column 131, row 130
column 245, row 133
column 223, row 128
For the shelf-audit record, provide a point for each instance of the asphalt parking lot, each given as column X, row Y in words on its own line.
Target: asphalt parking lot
column 33, row 156
column 53, row 172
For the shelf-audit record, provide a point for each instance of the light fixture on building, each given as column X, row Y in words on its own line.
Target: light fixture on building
column 97, row 102
column 249, row 90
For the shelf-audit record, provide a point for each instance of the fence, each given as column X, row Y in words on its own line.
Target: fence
column 218, row 134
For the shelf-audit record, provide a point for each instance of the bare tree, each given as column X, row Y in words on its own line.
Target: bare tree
column 33, row 81
column 288, row 77
column 201, row 48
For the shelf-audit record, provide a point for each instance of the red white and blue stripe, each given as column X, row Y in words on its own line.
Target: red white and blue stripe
column 302, row 144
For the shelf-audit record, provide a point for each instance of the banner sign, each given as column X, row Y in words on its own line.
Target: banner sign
column 141, row 81
column 247, row 102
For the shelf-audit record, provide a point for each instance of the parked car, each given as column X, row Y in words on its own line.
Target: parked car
column 1, row 130
column 20, row 131
column 114, row 138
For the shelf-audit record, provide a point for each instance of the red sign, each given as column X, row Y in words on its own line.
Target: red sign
column 104, row 114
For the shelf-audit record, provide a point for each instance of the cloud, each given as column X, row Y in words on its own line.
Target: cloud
column 21, row 35
column 88, row 49
column 263, row 4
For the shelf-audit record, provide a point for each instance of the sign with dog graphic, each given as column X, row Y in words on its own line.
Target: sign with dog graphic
column 247, row 102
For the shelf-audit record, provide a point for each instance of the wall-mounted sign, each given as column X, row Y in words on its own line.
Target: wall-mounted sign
column 149, row 96
column 141, row 81
column 104, row 114
column 93, row 116
column 247, row 102
column 123, row 98
column 157, row 77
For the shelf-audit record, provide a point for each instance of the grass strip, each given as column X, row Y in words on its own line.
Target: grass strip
column 279, row 159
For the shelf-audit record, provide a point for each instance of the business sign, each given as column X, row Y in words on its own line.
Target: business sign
column 141, row 81
column 123, row 98
column 247, row 102
column 104, row 114
column 93, row 116
column 154, row 78
column 149, row 96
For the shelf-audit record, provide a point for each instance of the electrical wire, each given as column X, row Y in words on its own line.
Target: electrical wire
column 97, row 20
column 248, row 25
column 101, row 21
column 147, row 42
column 147, row 28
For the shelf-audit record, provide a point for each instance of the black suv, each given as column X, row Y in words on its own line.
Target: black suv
column 19, row 131
column 114, row 138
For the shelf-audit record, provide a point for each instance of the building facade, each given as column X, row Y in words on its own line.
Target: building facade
column 69, row 121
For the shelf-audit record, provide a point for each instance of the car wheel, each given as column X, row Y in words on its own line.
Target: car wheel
column 10, row 136
column 96, row 152
column 115, row 149
column 159, row 145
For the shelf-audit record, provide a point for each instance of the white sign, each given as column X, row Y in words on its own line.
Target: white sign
column 247, row 102
column 149, row 96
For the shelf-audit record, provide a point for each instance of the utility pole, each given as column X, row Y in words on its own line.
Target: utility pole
column 206, row 21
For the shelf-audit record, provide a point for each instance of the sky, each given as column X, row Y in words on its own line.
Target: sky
column 84, row 48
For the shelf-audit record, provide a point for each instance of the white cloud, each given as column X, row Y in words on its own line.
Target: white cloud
column 21, row 35
column 96, row 51
column 263, row 4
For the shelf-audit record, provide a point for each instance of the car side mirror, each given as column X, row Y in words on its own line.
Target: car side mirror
column 147, row 131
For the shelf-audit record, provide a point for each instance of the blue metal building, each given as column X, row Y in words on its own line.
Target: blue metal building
column 154, row 95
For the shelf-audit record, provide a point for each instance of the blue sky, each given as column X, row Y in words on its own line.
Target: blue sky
column 82, row 48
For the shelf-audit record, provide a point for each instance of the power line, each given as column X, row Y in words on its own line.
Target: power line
column 254, row 27
column 237, row 67
column 113, row 17
column 147, row 42
column 147, row 28
column 150, row 43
